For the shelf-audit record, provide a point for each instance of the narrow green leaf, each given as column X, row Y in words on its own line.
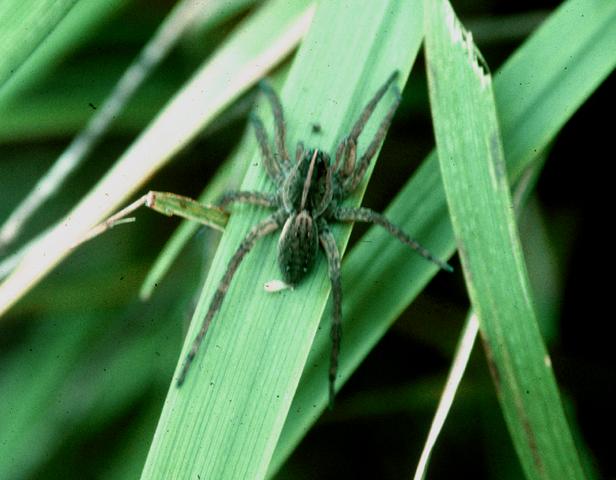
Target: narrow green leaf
column 471, row 329
column 585, row 27
column 552, row 75
column 225, row 420
column 168, row 204
column 481, row 209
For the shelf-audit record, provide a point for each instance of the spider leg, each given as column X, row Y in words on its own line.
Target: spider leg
column 261, row 199
column 328, row 242
column 328, row 194
column 369, row 108
column 346, row 153
column 272, row 167
column 370, row 216
column 352, row 170
column 280, row 129
column 267, row 226
column 365, row 159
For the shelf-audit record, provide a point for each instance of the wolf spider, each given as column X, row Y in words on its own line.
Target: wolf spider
column 309, row 196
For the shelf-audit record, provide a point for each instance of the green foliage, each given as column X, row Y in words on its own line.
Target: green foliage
column 255, row 351
column 86, row 369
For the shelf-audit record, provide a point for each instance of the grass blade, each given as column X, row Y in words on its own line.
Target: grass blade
column 456, row 372
column 168, row 204
column 471, row 328
column 225, row 421
column 477, row 189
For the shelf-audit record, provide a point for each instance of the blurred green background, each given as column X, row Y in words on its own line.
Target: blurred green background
column 85, row 365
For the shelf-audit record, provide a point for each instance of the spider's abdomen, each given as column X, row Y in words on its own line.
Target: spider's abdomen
column 297, row 247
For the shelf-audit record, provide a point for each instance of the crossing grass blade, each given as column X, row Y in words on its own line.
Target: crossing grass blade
column 581, row 37
column 456, row 372
column 471, row 328
column 225, row 420
column 481, row 210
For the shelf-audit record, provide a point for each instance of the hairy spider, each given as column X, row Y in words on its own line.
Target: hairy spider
column 309, row 196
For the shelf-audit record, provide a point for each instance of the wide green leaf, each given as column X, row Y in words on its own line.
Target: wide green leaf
column 224, row 422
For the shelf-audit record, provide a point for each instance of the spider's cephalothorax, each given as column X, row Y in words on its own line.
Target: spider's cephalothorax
column 310, row 192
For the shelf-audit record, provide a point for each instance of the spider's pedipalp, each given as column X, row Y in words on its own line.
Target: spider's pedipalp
column 369, row 108
column 340, row 153
column 370, row 216
column 328, row 193
column 269, row 161
column 267, row 226
column 328, row 242
column 280, row 128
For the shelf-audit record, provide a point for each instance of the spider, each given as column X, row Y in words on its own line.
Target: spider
column 309, row 196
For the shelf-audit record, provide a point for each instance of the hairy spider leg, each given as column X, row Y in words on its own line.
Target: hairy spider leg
column 370, row 216
column 340, row 154
column 329, row 189
column 272, row 167
column 369, row 108
column 328, row 242
column 346, row 153
column 261, row 199
column 279, row 125
column 267, row 226
column 378, row 138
